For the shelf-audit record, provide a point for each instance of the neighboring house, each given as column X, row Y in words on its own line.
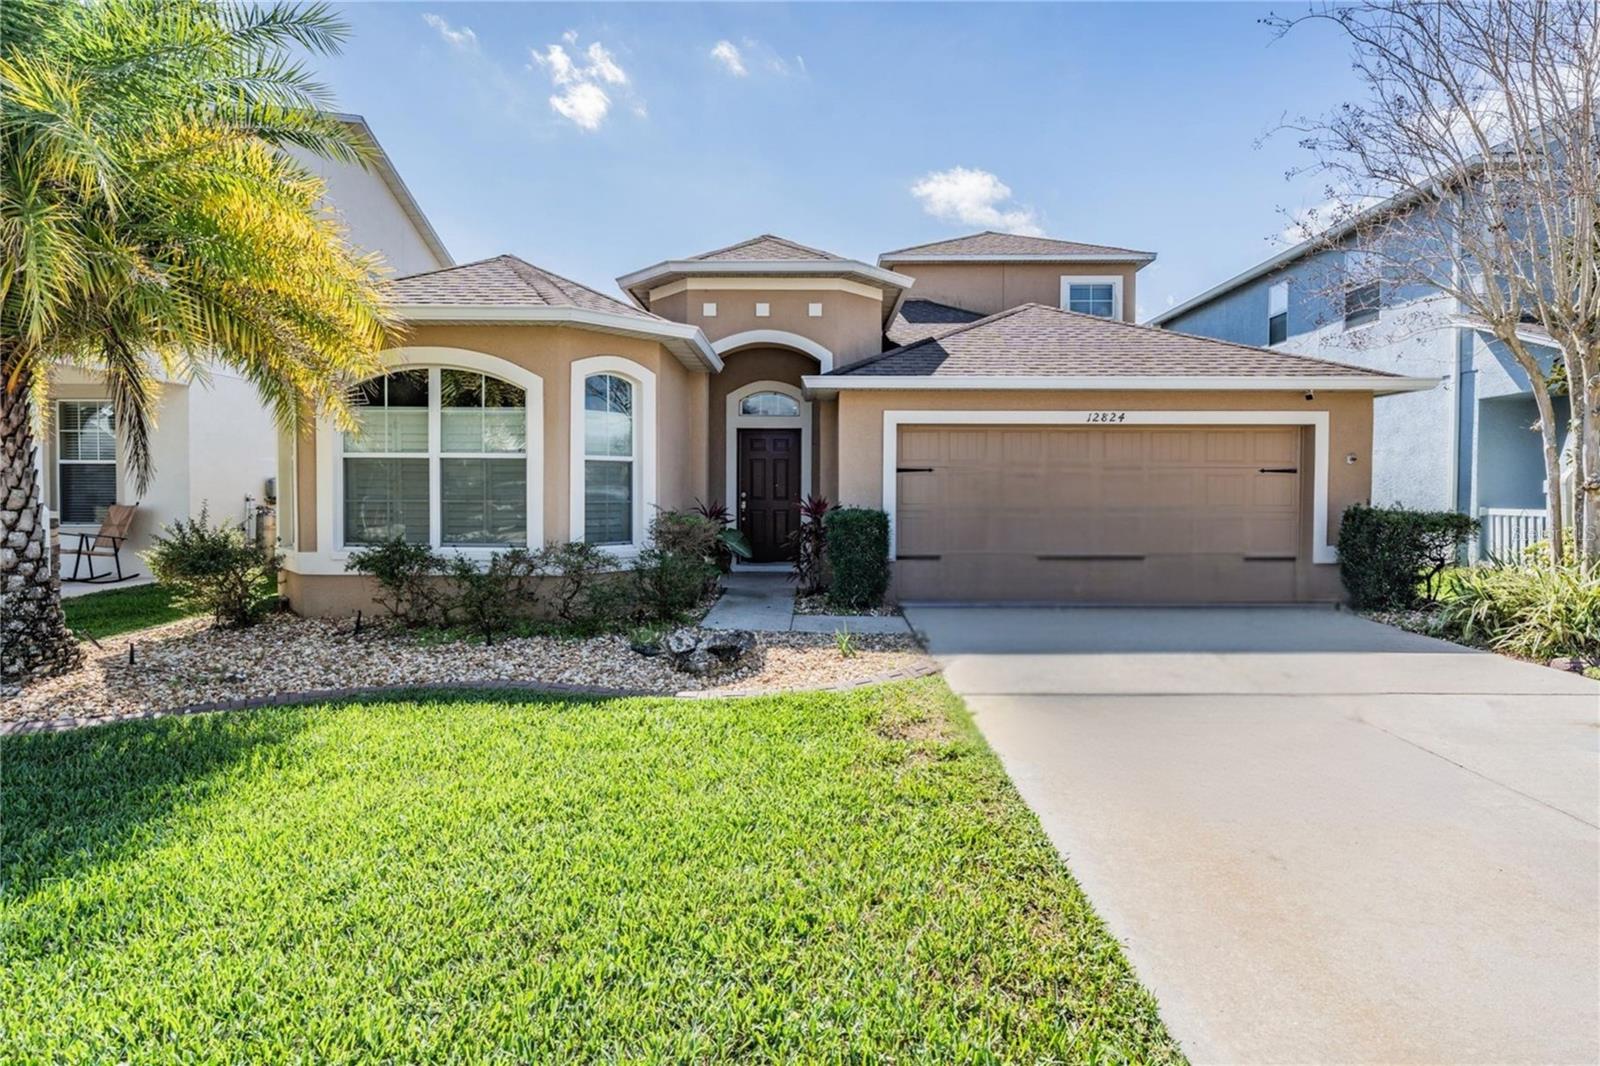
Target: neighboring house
column 1471, row 446
column 1023, row 452
column 215, row 444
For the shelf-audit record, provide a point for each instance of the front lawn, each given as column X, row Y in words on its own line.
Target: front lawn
column 115, row 611
column 828, row 876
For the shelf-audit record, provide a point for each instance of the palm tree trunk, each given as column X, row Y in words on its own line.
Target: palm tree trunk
column 34, row 639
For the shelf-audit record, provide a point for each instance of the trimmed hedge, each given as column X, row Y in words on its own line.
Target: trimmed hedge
column 858, row 553
column 1390, row 558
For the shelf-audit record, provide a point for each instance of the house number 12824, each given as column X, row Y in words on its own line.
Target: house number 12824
column 1107, row 416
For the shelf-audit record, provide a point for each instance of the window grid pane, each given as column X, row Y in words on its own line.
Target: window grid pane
column 607, row 502
column 1092, row 299
column 385, row 498
column 483, row 501
column 769, row 404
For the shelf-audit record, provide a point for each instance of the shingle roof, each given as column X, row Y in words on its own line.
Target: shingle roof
column 990, row 243
column 1038, row 341
column 504, row 281
column 919, row 320
column 767, row 247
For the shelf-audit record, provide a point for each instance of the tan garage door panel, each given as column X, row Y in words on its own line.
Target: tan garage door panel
column 1134, row 515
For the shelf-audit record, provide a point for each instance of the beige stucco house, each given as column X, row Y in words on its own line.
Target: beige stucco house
column 989, row 392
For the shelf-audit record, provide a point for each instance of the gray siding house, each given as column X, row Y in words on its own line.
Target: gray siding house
column 1470, row 445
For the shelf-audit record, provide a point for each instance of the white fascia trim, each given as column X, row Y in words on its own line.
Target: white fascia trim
column 646, row 448
column 332, row 553
column 1080, row 257
column 765, row 284
column 725, row 268
column 826, row 384
column 1528, row 335
column 735, row 422
column 575, row 316
column 1322, row 550
column 779, row 337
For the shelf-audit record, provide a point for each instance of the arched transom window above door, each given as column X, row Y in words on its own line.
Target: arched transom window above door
column 770, row 405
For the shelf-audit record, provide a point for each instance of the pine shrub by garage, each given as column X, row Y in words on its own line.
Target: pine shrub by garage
column 858, row 555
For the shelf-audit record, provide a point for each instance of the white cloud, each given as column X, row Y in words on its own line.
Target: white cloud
column 585, row 104
column 605, row 66
column 974, row 197
column 462, row 38
column 578, row 75
column 727, row 53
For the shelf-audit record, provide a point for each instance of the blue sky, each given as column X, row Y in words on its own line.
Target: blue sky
column 596, row 139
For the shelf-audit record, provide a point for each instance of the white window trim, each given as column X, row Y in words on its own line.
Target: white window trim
column 332, row 553
column 1322, row 551
column 55, row 463
column 644, row 447
column 780, row 338
column 736, row 421
column 1114, row 280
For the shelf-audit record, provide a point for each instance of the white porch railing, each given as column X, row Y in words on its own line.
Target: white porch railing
column 1507, row 531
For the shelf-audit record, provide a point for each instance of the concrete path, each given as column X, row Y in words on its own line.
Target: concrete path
column 1321, row 839
column 764, row 602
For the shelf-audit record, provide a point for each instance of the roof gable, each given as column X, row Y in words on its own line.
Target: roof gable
column 767, row 248
column 992, row 244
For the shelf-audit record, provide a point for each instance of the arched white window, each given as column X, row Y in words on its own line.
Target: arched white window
column 610, row 459
column 613, row 472
column 770, row 405
column 441, row 458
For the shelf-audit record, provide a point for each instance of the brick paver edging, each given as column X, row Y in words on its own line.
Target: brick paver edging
column 548, row 688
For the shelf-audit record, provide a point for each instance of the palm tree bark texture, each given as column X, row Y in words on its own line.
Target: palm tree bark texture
column 34, row 638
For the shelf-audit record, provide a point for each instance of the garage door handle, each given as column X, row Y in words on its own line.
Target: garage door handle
column 1090, row 558
column 913, row 470
column 1270, row 558
column 1278, row 470
column 918, row 558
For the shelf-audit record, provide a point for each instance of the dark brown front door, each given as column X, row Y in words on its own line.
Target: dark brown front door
column 769, row 491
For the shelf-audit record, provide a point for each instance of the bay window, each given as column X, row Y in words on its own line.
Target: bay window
column 441, row 458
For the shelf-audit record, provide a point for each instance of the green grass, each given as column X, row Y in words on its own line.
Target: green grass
column 800, row 878
column 114, row 611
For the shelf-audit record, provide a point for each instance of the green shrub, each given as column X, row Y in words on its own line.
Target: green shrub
column 214, row 569
column 486, row 598
column 858, row 552
column 406, row 575
column 1390, row 557
column 1538, row 612
column 678, row 568
column 578, row 589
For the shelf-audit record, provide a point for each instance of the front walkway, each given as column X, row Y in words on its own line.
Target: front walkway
column 764, row 602
column 1321, row 839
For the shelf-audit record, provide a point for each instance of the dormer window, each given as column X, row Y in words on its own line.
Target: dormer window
column 1098, row 296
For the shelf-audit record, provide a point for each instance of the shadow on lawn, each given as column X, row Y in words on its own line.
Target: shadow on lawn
column 80, row 799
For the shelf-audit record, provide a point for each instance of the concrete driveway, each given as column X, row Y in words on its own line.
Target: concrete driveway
column 1321, row 839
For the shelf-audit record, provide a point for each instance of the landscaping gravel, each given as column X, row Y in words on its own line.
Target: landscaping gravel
column 188, row 662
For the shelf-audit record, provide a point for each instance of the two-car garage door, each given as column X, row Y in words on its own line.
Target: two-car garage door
column 1164, row 514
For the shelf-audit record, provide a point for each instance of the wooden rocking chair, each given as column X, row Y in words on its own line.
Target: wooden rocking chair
column 107, row 542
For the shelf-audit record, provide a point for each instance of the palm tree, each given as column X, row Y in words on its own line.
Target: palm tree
column 152, row 224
